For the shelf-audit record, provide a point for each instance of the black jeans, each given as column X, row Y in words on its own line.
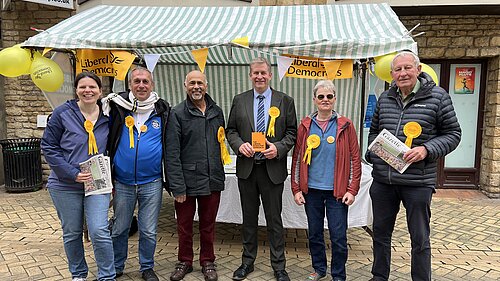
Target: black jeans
column 386, row 200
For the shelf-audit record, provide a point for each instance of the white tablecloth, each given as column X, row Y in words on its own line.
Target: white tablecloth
column 294, row 216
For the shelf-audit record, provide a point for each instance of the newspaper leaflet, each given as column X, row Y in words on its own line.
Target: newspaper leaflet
column 100, row 168
column 390, row 149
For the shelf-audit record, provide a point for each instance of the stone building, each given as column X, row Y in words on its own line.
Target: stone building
column 20, row 100
column 457, row 35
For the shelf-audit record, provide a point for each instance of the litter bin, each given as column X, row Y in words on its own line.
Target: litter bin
column 22, row 164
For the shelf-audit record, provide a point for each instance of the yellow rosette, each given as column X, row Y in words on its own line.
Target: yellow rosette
column 129, row 122
column 224, row 154
column 274, row 112
column 411, row 130
column 89, row 127
column 313, row 142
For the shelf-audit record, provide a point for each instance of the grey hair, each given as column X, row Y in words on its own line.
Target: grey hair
column 404, row 54
column 260, row 60
column 139, row 68
column 325, row 84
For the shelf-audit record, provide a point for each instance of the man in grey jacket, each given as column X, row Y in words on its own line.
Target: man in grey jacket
column 195, row 172
column 414, row 107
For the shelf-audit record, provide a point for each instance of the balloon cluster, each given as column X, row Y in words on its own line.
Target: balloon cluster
column 45, row 73
column 383, row 68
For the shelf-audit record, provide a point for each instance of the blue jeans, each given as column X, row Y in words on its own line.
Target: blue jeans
column 149, row 197
column 336, row 213
column 71, row 205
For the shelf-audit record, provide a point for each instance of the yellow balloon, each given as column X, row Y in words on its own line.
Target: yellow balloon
column 379, row 57
column 14, row 61
column 383, row 67
column 46, row 74
column 427, row 69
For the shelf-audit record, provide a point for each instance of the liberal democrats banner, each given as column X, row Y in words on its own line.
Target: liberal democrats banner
column 319, row 68
column 104, row 62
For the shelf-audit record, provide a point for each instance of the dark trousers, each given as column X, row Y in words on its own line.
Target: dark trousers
column 207, row 212
column 386, row 200
column 256, row 187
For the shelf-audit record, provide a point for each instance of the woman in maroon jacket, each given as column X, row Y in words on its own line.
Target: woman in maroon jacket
column 326, row 172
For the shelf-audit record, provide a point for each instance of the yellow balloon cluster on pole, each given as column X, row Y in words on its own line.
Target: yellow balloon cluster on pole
column 383, row 67
column 46, row 74
column 14, row 61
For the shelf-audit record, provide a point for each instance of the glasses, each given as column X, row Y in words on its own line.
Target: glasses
column 329, row 96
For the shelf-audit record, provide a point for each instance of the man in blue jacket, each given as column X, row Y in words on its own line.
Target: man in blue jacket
column 137, row 150
column 413, row 107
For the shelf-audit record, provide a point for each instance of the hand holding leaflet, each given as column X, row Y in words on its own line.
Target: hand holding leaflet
column 99, row 167
column 390, row 149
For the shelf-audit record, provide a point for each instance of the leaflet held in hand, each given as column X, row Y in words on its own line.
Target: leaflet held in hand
column 390, row 149
column 100, row 168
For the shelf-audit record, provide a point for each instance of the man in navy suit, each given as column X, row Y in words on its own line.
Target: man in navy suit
column 261, row 175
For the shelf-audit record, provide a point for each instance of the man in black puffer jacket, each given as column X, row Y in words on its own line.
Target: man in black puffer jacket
column 414, row 97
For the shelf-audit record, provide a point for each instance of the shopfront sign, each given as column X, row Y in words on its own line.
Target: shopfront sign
column 68, row 4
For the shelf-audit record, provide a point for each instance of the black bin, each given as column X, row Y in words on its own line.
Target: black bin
column 22, row 164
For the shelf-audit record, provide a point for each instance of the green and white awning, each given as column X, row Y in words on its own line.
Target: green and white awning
column 323, row 31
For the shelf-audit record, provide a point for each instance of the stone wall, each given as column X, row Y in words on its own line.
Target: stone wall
column 22, row 99
column 490, row 159
column 470, row 37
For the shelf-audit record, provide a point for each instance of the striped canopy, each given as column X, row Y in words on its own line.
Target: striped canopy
column 323, row 31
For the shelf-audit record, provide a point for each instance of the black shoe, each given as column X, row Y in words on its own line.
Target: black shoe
column 281, row 275
column 149, row 275
column 242, row 272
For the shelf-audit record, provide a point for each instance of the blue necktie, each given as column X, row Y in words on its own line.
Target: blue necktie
column 261, row 122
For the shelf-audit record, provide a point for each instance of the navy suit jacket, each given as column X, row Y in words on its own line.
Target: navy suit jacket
column 241, row 125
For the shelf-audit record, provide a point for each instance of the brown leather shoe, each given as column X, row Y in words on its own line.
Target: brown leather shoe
column 181, row 269
column 209, row 271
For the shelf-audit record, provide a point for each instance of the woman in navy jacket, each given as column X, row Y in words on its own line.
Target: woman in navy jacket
column 68, row 141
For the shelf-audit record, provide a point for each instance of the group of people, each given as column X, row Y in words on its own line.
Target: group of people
column 153, row 146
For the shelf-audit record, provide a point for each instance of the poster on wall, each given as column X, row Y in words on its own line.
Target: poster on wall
column 464, row 80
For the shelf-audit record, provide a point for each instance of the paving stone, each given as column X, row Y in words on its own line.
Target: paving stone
column 464, row 240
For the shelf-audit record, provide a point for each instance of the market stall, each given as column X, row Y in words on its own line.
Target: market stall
column 223, row 40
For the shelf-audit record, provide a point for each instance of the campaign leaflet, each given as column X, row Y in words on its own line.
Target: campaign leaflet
column 100, row 168
column 390, row 149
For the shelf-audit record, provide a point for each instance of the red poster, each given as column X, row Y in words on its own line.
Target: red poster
column 464, row 80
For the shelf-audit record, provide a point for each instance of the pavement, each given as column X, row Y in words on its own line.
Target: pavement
column 465, row 242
